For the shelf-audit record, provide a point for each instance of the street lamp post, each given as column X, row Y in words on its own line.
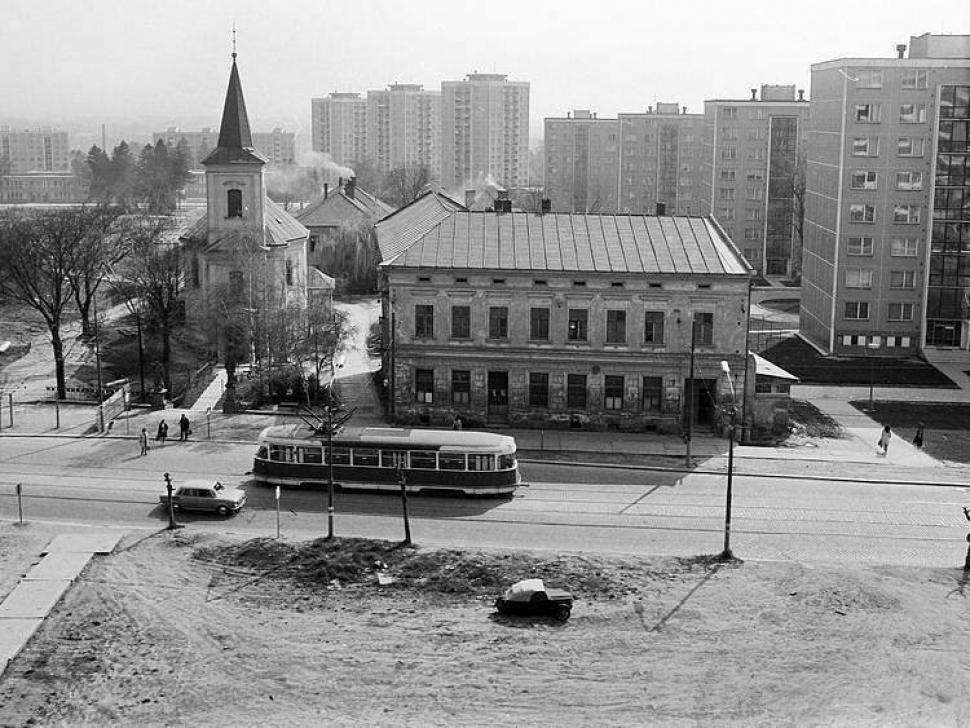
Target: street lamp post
column 872, row 373
column 726, row 554
column 689, row 399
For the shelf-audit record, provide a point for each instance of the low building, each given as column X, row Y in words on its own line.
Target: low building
column 41, row 187
column 765, row 410
column 560, row 320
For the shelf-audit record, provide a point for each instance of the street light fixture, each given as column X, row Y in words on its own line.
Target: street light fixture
column 726, row 554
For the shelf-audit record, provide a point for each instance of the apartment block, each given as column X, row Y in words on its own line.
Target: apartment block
column 33, row 150
column 277, row 146
column 751, row 153
column 339, row 127
column 404, row 128
column 886, row 264
column 581, row 162
column 484, row 131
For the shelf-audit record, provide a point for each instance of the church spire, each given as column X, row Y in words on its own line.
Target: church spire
column 235, row 139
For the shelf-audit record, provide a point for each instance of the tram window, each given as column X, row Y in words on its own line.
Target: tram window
column 281, row 453
column 481, row 462
column 451, row 461
column 366, row 456
column 311, row 455
column 341, row 456
column 393, row 458
column 262, row 452
column 424, row 459
column 506, row 462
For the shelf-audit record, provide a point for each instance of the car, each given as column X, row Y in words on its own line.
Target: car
column 205, row 495
column 533, row 597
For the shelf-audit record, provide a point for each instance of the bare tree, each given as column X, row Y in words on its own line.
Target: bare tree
column 798, row 213
column 103, row 247
column 403, row 185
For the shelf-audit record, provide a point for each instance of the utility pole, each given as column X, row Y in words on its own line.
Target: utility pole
column 330, row 470
column 402, row 479
column 689, row 399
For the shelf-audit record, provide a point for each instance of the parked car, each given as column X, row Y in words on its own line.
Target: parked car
column 532, row 597
column 205, row 495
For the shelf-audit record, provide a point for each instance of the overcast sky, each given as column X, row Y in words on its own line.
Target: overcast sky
column 170, row 58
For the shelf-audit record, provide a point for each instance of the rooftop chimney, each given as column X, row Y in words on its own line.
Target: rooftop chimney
column 350, row 188
column 901, row 50
column 326, row 190
column 801, row 94
column 546, row 206
column 685, row 110
column 754, row 94
column 661, row 209
column 469, row 199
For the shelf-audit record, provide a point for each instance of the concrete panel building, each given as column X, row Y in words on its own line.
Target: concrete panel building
column 338, row 127
column 278, row 147
column 886, row 264
column 34, row 150
column 581, row 157
column 404, row 128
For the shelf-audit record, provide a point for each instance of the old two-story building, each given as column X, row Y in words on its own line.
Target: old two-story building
column 561, row 320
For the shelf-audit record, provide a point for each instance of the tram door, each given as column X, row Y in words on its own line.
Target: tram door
column 498, row 397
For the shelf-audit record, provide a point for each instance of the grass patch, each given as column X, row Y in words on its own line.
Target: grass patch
column 947, row 426
column 807, row 419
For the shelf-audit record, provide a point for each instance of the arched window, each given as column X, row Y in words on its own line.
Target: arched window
column 234, row 200
column 289, row 272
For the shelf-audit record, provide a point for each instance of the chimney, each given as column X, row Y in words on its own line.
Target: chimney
column 661, row 209
column 350, row 187
column 901, row 50
column 569, row 115
column 684, row 110
column 469, row 199
column 754, row 94
column 546, row 206
column 649, row 109
column 340, row 182
column 801, row 94
column 326, row 190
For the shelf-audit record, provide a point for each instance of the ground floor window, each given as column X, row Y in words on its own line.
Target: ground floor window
column 461, row 387
column 424, row 385
column 652, row 392
column 538, row 389
column 613, row 392
column 576, row 391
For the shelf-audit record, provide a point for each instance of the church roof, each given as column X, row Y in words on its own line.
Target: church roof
column 279, row 228
column 235, row 139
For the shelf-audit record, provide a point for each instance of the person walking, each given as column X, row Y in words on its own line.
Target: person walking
column 918, row 438
column 162, row 433
column 184, row 428
column 884, row 439
column 143, row 441
column 456, row 423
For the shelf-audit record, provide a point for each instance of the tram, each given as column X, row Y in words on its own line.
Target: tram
column 373, row 458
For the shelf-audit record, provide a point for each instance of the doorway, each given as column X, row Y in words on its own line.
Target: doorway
column 498, row 397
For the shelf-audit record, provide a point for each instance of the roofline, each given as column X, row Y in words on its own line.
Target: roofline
column 882, row 62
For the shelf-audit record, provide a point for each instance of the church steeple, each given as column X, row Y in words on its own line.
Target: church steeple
column 235, row 138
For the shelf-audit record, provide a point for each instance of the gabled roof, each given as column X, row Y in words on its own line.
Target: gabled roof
column 402, row 228
column 279, row 228
column 765, row 368
column 338, row 208
column 563, row 242
column 235, row 139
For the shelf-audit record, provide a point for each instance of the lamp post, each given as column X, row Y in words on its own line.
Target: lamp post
column 689, row 399
column 872, row 372
column 726, row 554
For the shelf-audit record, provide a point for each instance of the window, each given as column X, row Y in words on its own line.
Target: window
column 652, row 393
column 904, row 247
column 725, row 214
column 756, row 154
column 481, row 462
column 234, row 203
column 862, row 213
column 578, row 324
column 538, row 389
column 910, row 147
column 314, row 239
column 539, row 324
column 729, row 153
column 195, row 272
column 423, row 385
column 461, row 387
column 751, row 234
column 902, row 279
column 914, row 78
column 576, row 391
column 868, row 77
column 289, row 272
column 865, row 146
column 857, row 310
column 860, row 246
column 868, row 113
column 451, row 461
column 858, row 278
column 762, row 387
column 726, row 193
column 864, row 179
column 498, row 322
column 754, row 175
column 909, row 181
column 424, row 459
column 906, row 214
column 616, row 327
column 912, row 113
column 461, row 324
column 366, row 456
column 900, row 312
column 728, row 175
column 613, row 393
column 703, row 329
column 423, row 321
column 754, row 213
column 730, row 112
column 653, row 328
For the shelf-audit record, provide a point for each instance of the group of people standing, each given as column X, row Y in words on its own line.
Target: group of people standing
column 887, row 435
column 162, row 434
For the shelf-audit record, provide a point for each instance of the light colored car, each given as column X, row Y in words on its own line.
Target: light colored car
column 205, row 495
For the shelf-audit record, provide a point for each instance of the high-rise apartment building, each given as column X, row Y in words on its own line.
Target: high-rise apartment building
column 886, row 264
column 750, row 162
column 339, row 127
column 33, row 150
column 404, row 127
column 277, row 146
column 484, row 131
column 581, row 153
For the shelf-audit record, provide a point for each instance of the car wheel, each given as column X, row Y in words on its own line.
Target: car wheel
column 223, row 510
column 562, row 612
column 501, row 606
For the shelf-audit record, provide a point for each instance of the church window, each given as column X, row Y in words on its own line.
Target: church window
column 234, row 199
column 289, row 272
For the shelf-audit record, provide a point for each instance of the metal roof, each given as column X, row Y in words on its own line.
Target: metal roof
column 401, row 228
column 571, row 242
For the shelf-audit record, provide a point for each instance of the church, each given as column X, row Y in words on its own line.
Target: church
column 246, row 257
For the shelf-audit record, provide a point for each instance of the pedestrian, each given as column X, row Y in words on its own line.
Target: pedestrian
column 884, row 439
column 162, row 433
column 456, row 424
column 143, row 441
column 918, row 438
column 184, row 430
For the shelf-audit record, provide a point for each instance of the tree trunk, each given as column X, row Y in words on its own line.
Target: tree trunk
column 58, row 347
column 166, row 353
column 84, row 307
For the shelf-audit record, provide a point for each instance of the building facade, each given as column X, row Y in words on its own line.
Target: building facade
column 560, row 320
column 750, row 161
column 404, row 128
column 484, row 131
column 33, row 150
column 338, row 127
column 278, row 147
column 581, row 158
column 886, row 264
column 41, row 187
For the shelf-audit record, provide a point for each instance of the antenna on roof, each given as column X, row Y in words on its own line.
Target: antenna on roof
column 233, row 40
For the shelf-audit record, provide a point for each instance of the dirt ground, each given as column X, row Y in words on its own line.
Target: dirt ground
column 206, row 630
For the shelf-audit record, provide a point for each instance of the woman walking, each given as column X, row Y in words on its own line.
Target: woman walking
column 162, row 433
column 918, row 438
column 884, row 439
